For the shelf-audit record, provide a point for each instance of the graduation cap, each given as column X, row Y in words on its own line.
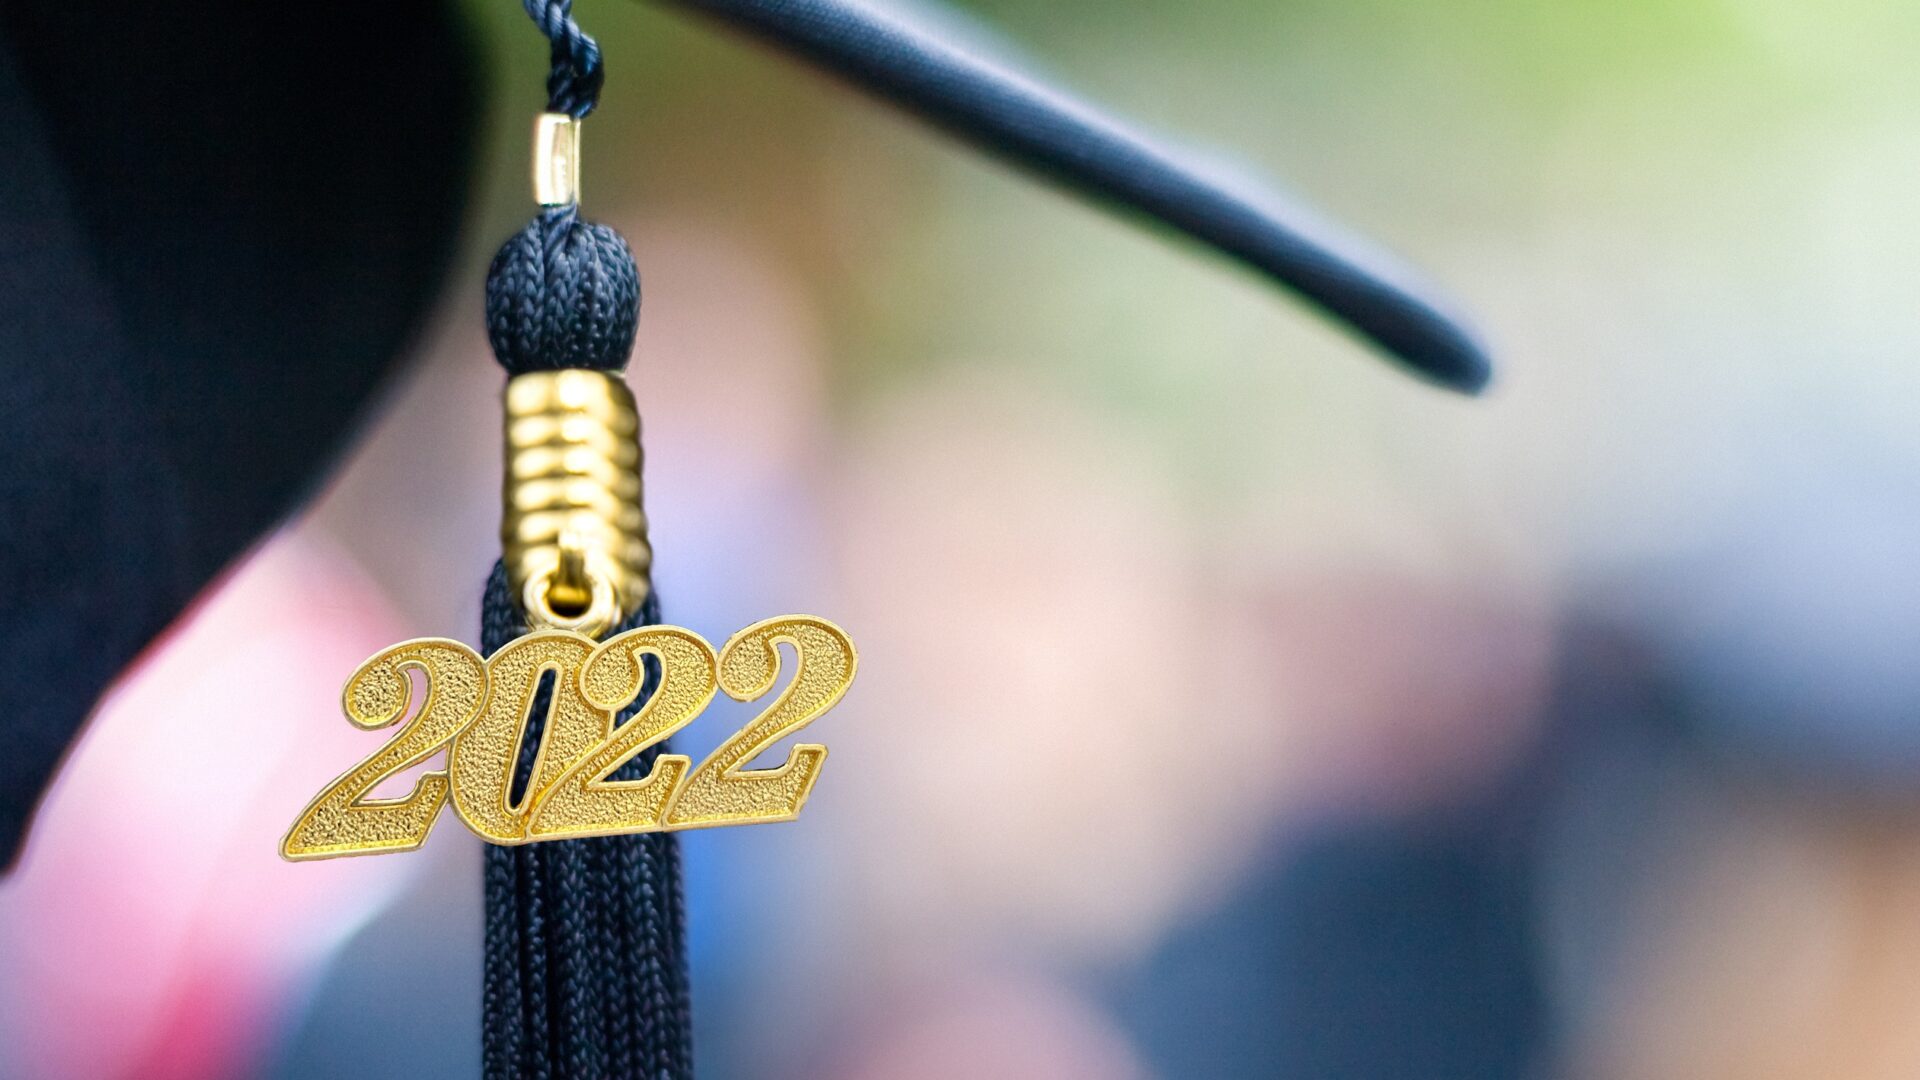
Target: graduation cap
column 209, row 262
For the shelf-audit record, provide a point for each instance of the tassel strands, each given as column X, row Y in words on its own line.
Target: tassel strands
column 586, row 972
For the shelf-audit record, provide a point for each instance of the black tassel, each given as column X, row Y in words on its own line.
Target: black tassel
column 586, row 972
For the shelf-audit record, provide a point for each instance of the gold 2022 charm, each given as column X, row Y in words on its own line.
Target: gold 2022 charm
column 479, row 711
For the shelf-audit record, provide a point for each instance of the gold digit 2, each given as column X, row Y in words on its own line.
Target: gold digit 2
column 485, row 753
column 341, row 820
column 720, row 791
column 582, row 801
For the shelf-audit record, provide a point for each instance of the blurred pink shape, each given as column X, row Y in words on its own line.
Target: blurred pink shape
column 1003, row 1027
column 1055, row 738
column 1404, row 693
column 1081, row 714
column 152, row 929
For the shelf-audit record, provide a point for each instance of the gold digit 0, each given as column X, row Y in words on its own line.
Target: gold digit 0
column 341, row 820
column 485, row 753
column 720, row 791
column 582, row 800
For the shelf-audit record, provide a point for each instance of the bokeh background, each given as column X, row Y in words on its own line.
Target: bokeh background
column 1230, row 705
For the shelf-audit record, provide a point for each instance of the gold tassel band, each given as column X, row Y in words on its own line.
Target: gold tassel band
column 574, row 533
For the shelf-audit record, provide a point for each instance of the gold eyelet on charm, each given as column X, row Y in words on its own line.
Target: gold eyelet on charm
column 554, row 601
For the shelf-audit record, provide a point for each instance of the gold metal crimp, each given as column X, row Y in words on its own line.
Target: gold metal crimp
column 573, row 530
column 556, row 160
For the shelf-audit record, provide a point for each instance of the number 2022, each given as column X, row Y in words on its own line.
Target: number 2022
column 479, row 710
